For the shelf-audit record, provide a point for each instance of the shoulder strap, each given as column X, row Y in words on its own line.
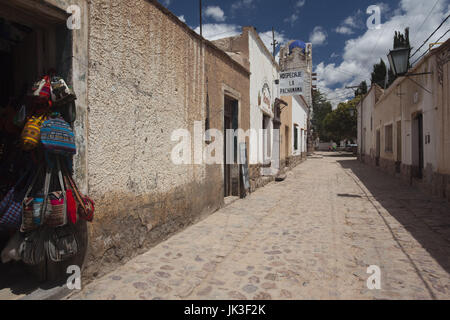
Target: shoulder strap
column 48, row 176
column 75, row 190
column 33, row 182
column 60, row 177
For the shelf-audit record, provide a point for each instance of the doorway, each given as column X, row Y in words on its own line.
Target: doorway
column 231, row 177
column 417, row 146
column 378, row 154
column 286, row 143
column 33, row 41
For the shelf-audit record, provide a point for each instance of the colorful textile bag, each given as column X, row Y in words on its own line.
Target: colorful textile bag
column 28, row 219
column 32, row 132
column 86, row 206
column 71, row 203
column 11, row 216
column 11, row 207
column 56, row 216
column 57, row 137
column 42, row 89
column 53, row 210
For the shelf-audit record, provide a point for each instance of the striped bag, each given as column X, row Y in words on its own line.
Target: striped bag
column 57, row 137
column 32, row 132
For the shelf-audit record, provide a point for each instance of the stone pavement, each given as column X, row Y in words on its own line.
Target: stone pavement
column 312, row 236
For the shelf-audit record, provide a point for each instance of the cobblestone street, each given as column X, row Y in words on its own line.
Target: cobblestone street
column 312, row 236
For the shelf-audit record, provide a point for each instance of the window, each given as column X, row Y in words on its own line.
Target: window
column 388, row 138
column 295, row 137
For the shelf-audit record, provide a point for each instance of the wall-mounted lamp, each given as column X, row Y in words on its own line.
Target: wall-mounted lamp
column 399, row 61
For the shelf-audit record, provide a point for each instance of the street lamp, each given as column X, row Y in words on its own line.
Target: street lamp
column 399, row 60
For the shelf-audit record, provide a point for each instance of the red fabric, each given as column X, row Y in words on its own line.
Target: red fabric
column 71, row 207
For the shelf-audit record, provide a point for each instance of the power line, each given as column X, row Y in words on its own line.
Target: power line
column 429, row 48
column 442, row 23
column 420, row 28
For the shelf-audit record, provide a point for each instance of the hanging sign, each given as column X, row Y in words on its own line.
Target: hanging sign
column 291, row 83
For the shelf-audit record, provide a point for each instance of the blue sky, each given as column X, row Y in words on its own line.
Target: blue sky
column 344, row 49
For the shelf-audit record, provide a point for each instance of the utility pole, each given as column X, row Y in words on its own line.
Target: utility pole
column 274, row 43
column 201, row 22
column 353, row 87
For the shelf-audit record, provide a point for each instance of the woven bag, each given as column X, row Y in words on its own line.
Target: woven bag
column 31, row 133
column 57, row 137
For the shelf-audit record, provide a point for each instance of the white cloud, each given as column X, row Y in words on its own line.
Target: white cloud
column 215, row 13
column 242, row 4
column 291, row 19
column 362, row 52
column 294, row 16
column 300, row 3
column 344, row 30
column 350, row 21
column 318, row 36
column 213, row 31
column 182, row 19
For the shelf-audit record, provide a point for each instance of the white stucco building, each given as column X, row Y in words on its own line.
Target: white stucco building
column 248, row 49
column 299, row 125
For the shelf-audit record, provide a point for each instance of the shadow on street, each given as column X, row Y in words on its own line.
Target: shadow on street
column 427, row 219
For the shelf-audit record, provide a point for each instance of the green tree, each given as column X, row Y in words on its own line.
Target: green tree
column 378, row 75
column 341, row 123
column 321, row 108
column 401, row 40
column 362, row 90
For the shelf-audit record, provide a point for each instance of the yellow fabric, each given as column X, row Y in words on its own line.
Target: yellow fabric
column 32, row 132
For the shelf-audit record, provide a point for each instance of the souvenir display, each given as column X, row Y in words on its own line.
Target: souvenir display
column 39, row 206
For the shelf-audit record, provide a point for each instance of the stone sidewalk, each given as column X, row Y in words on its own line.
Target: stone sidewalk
column 312, row 236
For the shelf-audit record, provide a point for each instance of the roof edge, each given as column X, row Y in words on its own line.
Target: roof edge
column 208, row 43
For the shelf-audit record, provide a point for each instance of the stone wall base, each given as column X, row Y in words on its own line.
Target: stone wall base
column 127, row 225
column 259, row 181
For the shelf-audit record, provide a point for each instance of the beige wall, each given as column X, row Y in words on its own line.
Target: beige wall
column 424, row 92
column 286, row 122
column 147, row 79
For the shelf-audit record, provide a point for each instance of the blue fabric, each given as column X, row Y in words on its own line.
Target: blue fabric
column 57, row 137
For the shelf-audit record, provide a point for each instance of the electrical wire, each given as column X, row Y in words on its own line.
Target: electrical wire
column 420, row 28
column 429, row 49
column 432, row 34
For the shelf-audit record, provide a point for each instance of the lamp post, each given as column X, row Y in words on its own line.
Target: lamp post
column 399, row 61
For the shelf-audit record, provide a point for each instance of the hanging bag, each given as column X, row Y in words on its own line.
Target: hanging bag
column 11, row 207
column 31, row 133
column 71, row 203
column 61, row 93
column 61, row 244
column 42, row 90
column 56, row 214
column 32, row 249
column 57, row 137
column 31, row 205
column 86, row 206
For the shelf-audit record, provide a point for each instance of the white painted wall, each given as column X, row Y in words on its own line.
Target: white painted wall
column 366, row 139
column 263, row 71
column 300, row 119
